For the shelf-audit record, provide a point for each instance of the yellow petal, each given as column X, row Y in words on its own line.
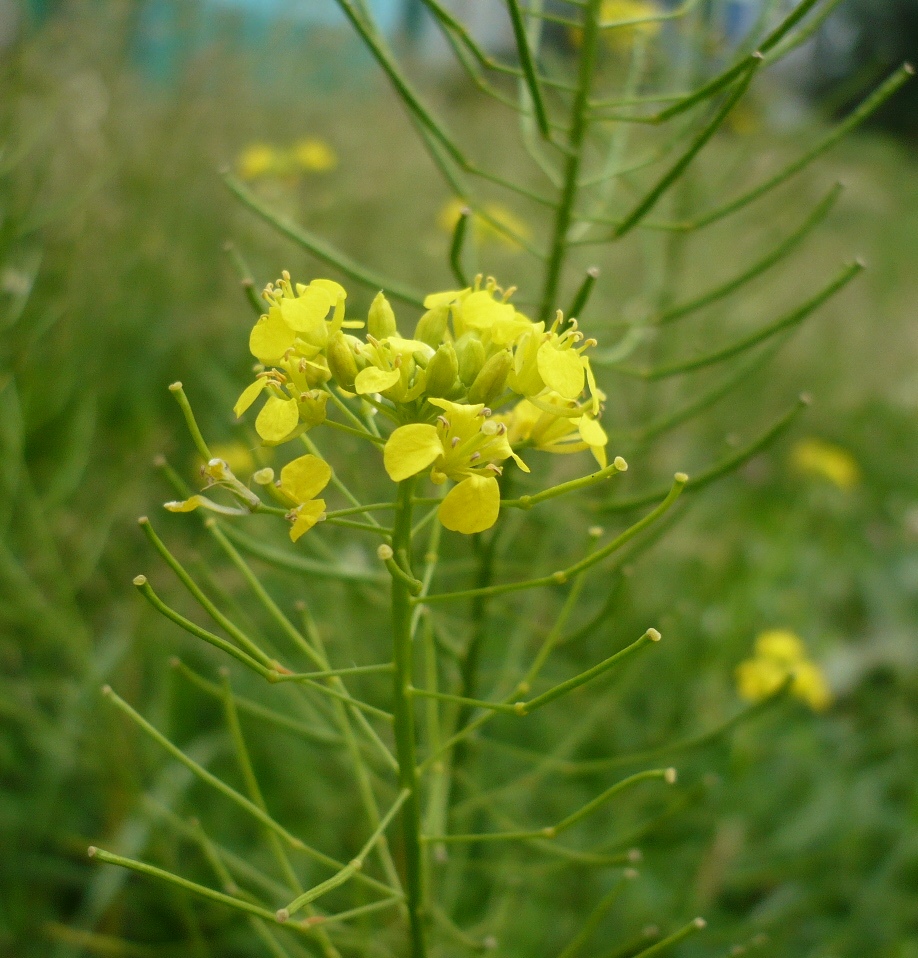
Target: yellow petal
column 595, row 437
column 481, row 311
column 277, row 419
column 374, row 380
column 444, row 299
column 271, row 337
column 561, row 369
column 187, row 505
column 336, row 289
column 307, row 516
column 471, row 506
column 306, row 312
column 780, row 645
column 304, row 478
column 410, row 450
column 248, row 396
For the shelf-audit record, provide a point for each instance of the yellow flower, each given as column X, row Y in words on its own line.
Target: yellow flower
column 554, row 361
column 612, row 12
column 561, row 428
column 465, row 446
column 313, row 155
column 780, row 645
column 291, row 337
column 484, row 230
column 300, row 482
column 619, row 11
column 823, row 460
column 257, row 160
column 780, row 655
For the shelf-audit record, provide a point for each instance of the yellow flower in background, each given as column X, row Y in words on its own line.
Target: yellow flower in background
column 622, row 37
column 781, row 655
column 257, row 160
column 263, row 160
column 484, row 230
column 314, row 155
column 823, row 460
column 237, row 455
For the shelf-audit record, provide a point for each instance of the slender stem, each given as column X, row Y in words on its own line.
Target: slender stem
column 403, row 708
column 575, row 148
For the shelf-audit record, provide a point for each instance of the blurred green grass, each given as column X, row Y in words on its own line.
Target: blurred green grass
column 800, row 827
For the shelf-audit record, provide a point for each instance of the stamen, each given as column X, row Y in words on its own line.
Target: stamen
column 455, row 441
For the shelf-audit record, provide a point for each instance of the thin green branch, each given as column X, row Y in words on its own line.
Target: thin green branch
column 348, row 871
column 528, row 66
column 245, row 277
column 785, row 247
column 696, row 924
column 645, row 205
column 552, row 831
column 257, row 710
column 793, row 318
column 723, row 467
column 198, row 595
column 564, row 575
column 200, row 444
column 574, row 485
column 239, row 904
column 320, row 248
column 146, row 590
column 869, row 106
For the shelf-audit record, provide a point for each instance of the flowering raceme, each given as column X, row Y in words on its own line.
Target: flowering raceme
column 441, row 390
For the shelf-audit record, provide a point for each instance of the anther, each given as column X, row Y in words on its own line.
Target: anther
column 670, row 776
column 653, row 635
column 455, row 442
column 384, row 552
column 282, row 915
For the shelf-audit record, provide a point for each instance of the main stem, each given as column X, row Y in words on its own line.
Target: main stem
column 579, row 123
column 404, row 722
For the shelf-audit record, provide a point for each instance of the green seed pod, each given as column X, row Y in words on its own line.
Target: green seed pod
column 471, row 356
column 431, row 326
column 492, row 379
column 442, row 372
column 381, row 319
column 341, row 361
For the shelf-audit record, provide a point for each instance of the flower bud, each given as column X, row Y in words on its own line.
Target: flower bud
column 381, row 318
column 442, row 372
column 490, row 382
column 431, row 327
column 341, row 361
column 471, row 355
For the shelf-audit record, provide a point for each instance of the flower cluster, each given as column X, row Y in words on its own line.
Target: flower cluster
column 477, row 383
column 779, row 656
column 262, row 160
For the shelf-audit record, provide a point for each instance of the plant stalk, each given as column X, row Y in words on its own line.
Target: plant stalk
column 403, row 709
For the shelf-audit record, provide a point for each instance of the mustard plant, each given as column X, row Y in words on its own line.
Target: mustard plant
column 455, row 403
